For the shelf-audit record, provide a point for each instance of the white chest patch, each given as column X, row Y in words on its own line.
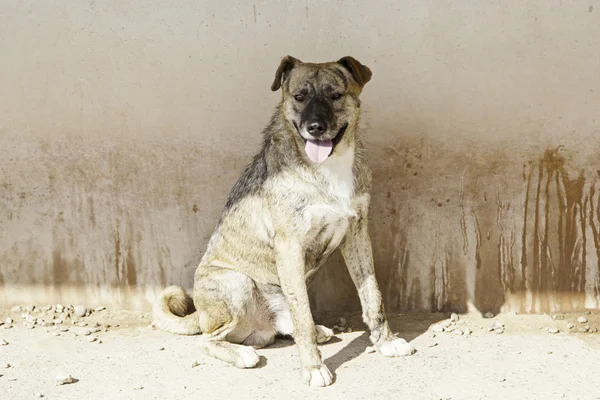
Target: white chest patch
column 337, row 171
column 331, row 217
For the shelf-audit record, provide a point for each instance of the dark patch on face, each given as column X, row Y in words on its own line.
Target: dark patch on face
column 317, row 111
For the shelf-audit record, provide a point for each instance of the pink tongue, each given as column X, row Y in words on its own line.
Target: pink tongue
column 318, row 150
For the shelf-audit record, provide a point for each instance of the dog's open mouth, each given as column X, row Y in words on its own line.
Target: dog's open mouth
column 319, row 150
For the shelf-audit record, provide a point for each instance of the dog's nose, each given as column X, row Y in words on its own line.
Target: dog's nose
column 317, row 128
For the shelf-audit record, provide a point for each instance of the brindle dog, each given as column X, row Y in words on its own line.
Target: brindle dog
column 303, row 195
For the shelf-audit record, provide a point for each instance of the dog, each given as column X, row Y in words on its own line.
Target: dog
column 304, row 194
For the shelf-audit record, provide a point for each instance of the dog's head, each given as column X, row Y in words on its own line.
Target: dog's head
column 320, row 101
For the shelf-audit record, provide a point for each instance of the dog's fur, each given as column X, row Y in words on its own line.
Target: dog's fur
column 282, row 220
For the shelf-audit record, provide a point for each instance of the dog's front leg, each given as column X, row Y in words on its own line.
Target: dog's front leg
column 291, row 270
column 358, row 255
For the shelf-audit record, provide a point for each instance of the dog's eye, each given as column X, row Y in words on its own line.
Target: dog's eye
column 336, row 96
column 299, row 97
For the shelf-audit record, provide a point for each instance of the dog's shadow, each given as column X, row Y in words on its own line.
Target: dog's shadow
column 359, row 344
column 405, row 329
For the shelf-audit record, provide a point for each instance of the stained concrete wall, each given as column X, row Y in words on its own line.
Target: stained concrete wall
column 123, row 126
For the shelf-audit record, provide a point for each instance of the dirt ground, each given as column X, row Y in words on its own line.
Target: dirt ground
column 519, row 359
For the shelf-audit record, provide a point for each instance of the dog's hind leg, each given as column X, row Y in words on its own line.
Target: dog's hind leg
column 218, row 347
column 237, row 354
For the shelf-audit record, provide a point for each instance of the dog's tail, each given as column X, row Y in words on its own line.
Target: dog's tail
column 174, row 312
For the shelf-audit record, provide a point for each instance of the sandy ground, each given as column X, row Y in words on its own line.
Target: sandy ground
column 134, row 361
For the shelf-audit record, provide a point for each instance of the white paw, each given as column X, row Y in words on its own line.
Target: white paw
column 247, row 357
column 317, row 376
column 323, row 334
column 396, row 348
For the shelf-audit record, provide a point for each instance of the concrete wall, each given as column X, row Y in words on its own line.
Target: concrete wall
column 123, row 126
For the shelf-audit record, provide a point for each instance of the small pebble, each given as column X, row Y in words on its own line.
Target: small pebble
column 16, row 309
column 582, row 320
column 39, row 395
column 454, row 317
column 161, row 348
column 431, row 344
column 437, row 328
column 488, row 315
column 63, row 379
column 570, row 326
column 342, row 321
column 3, row 342
column 468, row 331
column 496, row 325
column 12, row 379
column 138, row 387
column 336, row 327
column 30, row 318
column 502, row 380
column 101, row 308
column 582, row 330
column 80, row 310
column 92, row 339
column 29, row 308
column 558, row 317
column 349, row 330
column 8, row 320
column 82, row 324
column 59, row 307
column 370, row 349
column 458, row 332
column 64, row 329
column 5, row 365
column 553, row 330
column 195, row 364
column 7, row 326
column 56, row 334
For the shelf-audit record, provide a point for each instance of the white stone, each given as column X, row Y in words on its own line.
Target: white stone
column 64, row 379
column 80, row 310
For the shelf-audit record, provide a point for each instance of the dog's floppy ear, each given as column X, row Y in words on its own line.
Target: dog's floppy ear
column 286, row 65
column 361, row 73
